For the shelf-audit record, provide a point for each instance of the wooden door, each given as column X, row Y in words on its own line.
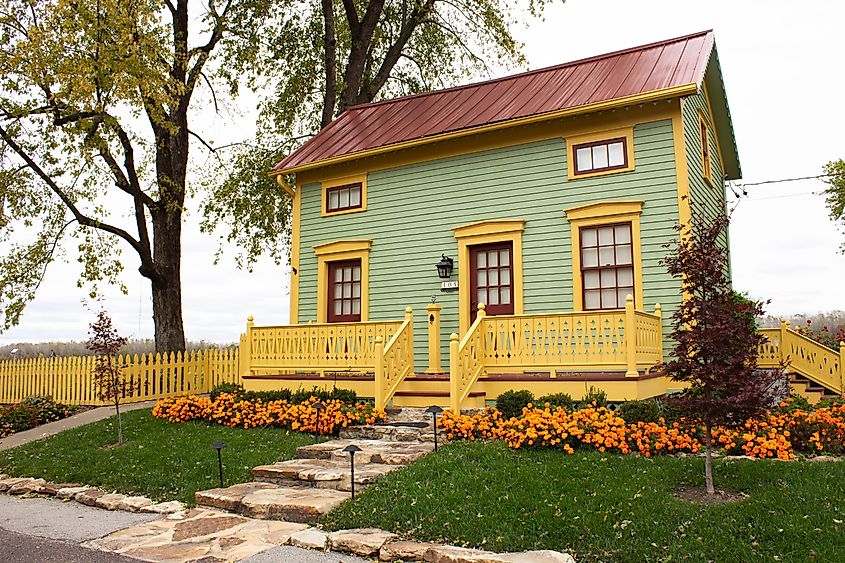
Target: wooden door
column 491, row 278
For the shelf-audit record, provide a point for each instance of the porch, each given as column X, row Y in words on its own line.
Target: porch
column 566, row 352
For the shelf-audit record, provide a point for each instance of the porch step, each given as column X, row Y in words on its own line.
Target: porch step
column 268, row 501
column 321, row 473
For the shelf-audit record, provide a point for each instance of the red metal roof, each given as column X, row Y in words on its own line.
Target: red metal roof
column 650, row 68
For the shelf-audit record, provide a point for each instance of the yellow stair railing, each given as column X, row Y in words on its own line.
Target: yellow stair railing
column 803, row 356
column 394, row 360
column 620, row 340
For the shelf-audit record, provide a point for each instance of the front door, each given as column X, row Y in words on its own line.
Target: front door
column 491, row 278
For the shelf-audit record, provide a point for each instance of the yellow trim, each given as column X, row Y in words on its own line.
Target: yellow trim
column 485, row 232
column 294, row 255
column 681, row 172
column 334, row 252
column 358, row 178
column 602, row 213
column 706, row 155
column 656, row 95
column 571, row 141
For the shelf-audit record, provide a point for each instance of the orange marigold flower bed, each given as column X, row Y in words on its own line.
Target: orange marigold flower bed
column 779, row 433
column 303, row 417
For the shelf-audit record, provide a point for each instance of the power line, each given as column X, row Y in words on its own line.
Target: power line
column 781, row 180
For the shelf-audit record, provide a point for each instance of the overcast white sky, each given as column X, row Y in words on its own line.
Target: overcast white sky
column 783, row 73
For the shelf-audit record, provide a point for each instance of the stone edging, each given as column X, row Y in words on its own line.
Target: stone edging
column 84, row 494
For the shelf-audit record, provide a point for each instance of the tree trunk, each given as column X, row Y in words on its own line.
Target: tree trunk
column 708, row 458
column 167, row 283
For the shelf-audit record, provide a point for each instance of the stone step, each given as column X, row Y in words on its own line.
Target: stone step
column 388, row 433
column 372, row 451
column 321, row 473
column 267, row 501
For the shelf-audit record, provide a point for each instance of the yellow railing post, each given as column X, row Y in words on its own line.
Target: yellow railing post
column 630, row 337
column 409, row 316
column 841, row 368
column 380, row 382
column 784, row 328
column 245, row 352
column 454, row 374
column 433, row 337
column 658, row 312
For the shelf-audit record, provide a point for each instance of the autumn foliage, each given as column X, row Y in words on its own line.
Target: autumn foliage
column 779, row 433
column 226, row 410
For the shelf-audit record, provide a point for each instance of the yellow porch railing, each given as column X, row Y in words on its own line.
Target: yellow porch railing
column 394, row 360
column 385, row 348
column 803, row 356
column 151, row 376
column 628, row 340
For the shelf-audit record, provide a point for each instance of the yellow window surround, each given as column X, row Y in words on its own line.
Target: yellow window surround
column 336, row 182
column 335, row 252
column 605, row 213
column 486, row 232
column 626, row 133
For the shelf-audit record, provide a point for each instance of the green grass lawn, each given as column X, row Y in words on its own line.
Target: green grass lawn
column 603, row 507
column 161, row 460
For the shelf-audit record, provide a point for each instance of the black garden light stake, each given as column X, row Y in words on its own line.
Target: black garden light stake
column 319, row 407
column 219, row 446
column 352, row 448
column 434, row 409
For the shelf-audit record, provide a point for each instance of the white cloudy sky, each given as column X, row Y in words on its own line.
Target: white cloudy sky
column 783, row 73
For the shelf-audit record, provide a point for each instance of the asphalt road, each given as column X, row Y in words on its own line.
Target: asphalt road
column 20, row 548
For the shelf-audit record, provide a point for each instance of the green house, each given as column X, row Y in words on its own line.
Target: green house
column 549, row 195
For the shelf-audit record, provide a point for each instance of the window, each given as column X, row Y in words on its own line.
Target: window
column 609, row 151
column 607, row 265
column 599, row 156
column 344, row 291
column 343, row 198
column 705, row 148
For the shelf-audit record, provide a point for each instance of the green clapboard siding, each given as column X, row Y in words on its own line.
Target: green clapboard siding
column 412, row 209
column 707, row 199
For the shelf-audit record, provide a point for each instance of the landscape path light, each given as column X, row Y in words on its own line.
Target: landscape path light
column 219, row 446
column 351, row 449
column 434, row 409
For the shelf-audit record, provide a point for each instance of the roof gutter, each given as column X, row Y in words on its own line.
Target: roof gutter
column 653, row 96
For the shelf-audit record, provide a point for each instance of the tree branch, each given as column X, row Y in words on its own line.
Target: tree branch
column 330, row 55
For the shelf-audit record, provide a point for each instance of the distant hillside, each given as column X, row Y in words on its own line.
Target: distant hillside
column 831, row 319
column 73, row 348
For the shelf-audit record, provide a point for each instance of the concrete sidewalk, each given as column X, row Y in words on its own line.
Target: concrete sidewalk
column 81, row 419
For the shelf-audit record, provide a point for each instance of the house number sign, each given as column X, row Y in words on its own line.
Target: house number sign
column 448, row 286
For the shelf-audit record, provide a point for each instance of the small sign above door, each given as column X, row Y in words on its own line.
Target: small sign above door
column 448, row 286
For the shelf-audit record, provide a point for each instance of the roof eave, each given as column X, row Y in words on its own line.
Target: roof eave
column 646, row 97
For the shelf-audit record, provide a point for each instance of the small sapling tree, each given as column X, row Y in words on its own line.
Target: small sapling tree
column 108, row 373
column 715, row 335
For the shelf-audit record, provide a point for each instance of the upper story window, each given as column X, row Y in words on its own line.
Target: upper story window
column 601, row 156
column 607, row 265
column 600, row 153
column 704, row 135
column 345, row 195
column 342, row 198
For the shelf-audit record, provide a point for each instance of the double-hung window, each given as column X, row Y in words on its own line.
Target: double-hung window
column 607, row 265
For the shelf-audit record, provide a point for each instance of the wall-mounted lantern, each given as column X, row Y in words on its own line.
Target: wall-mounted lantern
column 444, row 267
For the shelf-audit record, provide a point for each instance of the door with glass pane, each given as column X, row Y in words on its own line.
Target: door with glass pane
column 344, row 292
column 491, row 278
column 607, row 266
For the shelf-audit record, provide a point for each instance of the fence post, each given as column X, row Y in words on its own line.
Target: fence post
column 379, row 391
column 433, row 337
column 454, row 374
column 630, row 337
column 658, row 311
column 841, row 368
column 245, row 351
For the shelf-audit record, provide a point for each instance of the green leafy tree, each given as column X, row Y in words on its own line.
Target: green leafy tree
column 716, row 338
column 835, row 192
column 98, row 100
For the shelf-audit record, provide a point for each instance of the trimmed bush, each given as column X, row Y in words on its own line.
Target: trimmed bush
column 592, row 396
column 511, row 403
column 555, row 400
column 234, row 389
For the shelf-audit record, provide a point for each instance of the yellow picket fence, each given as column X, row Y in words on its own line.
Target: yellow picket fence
column 150, row 376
